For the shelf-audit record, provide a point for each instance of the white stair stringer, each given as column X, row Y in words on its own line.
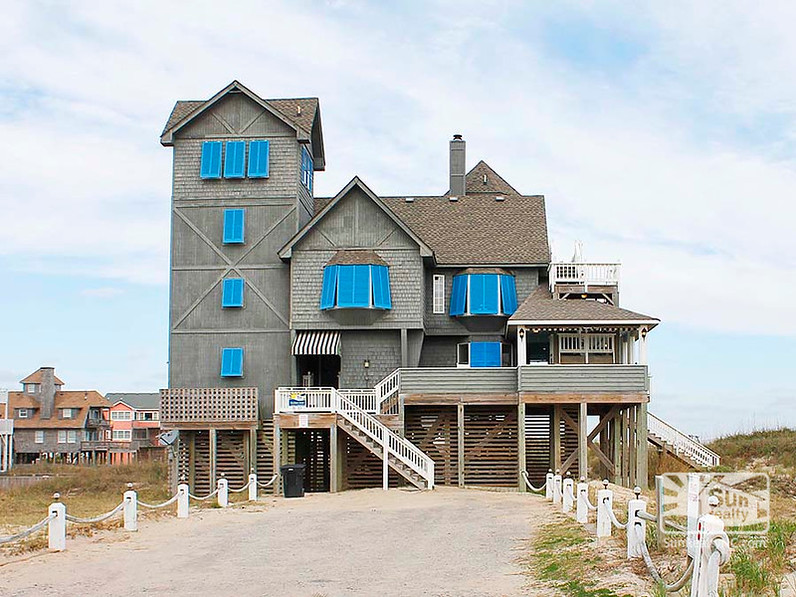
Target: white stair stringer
column 681, row 445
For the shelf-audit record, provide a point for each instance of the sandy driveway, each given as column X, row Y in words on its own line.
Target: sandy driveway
column 448, row 542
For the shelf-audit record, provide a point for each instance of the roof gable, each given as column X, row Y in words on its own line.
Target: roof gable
column 36, row 377
column 483, row 179
column 287, row 251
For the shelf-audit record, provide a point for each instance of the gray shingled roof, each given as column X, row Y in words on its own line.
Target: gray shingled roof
column 541, row 306
column 139, row 401
column 356, row 257
column 286, row 107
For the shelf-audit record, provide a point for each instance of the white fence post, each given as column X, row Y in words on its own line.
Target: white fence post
column 252, row 486
column 605, row 499
column 130, row 509
column 582, row 509
column 567, row 497
column 182, row 500
column 223, row 491
column 548, row 485
column 633, row 523
column 557, row 488
column 56, row 528
column 710, row 529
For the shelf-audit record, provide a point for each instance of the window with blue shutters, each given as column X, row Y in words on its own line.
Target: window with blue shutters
column 483, row 294
column 232, row 293
column 234, row 159
column 258, row 159
column 485, row 354
column 356, row 287
column 307, row 169
column 211, row 160
column 234, row 221
column 232, row 362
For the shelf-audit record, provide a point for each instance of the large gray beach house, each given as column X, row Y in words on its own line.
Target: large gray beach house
column 421, row 339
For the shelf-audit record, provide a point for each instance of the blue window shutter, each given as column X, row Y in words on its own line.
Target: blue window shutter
column 258, row 159
column 234, row 160
column 483, row 294
column 232, row 362
column 211, row 160
column 329, row 287
column 485, row 354
column 381, row 287
column 232, row 294
column 508, row 292
column 345, row 286
column 234, row 223
column 458, row 295
column 362, row 285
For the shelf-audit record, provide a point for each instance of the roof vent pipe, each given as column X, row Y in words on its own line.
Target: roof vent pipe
column 457, row 165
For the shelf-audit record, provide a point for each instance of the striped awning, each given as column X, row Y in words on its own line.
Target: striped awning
column 316, row 343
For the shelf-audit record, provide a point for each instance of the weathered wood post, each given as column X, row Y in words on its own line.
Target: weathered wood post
column 634, row 523
column 223, row 491
column 252, row 486
column 182, row 500
column 548, row 485
column 567, row 496
column 582, row 508
column 56, row 528
column 130, row 509
column 605, row 499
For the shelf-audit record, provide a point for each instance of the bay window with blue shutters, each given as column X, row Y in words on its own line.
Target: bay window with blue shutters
column 232, row 362
column 232, row 293
column 234, row 225
column 483, row 294
column 211, row 160
column 356, row 286
column 480, row 354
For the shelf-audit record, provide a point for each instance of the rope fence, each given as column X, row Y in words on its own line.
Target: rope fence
column 709, row 546
column 530, row 485
column 57, row 516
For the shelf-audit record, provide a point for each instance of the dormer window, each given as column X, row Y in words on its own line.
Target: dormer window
column 23, row 413
column 31, row 388
column 483, row 294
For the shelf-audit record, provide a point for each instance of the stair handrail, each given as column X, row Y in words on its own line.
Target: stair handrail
column 400, row 447
column 387, row 388
column 682, row 443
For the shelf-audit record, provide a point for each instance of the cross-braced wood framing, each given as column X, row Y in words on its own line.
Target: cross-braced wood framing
column 491, row 445
column 537, row 442
column 434, row 431
column 362, row 468
column 232, row 456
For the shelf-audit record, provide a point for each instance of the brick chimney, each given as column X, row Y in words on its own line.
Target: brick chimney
column 47, row 392
column 457, row 165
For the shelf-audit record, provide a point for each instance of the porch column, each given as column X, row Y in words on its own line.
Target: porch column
column 641, row 449
column 642, row 350
column 522, row 357
column 555, row 443
column 333, row 462
column 521, row 443
column 277, row 451
column 213, row 449
column 404, row 349
column 583, row 453
column 460, row 442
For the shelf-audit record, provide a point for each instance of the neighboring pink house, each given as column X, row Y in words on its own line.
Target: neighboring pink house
column 135, row 423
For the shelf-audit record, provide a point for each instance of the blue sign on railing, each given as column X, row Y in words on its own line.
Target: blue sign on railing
column 297, row 402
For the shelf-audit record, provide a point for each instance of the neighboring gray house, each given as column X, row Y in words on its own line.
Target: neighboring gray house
column 423, row 338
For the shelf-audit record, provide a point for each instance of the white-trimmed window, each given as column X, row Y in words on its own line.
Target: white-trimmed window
column 71, row 436
column 38, row 437
column 586, row 348
column 61, row 436
column 121, row 435
column 67, row 413
column 23, row 413
column 439, row 293
column 31, row 388
column 121, row 415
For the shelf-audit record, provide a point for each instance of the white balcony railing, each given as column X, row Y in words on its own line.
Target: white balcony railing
column 584, row 274
column 682, row 444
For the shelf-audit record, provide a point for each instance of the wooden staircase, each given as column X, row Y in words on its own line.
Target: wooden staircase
column 683, row 447
column 376, row 449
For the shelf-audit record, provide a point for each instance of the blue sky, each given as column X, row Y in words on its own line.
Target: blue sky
column 661, row 134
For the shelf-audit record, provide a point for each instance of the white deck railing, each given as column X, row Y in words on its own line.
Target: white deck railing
column 385, row 390
column 345, row 404
column 596, row 274
column 681, row 443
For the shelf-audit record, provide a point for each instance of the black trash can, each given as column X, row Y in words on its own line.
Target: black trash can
column 292, row 480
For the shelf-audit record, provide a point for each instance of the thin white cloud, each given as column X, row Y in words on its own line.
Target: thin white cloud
column 103, row 292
